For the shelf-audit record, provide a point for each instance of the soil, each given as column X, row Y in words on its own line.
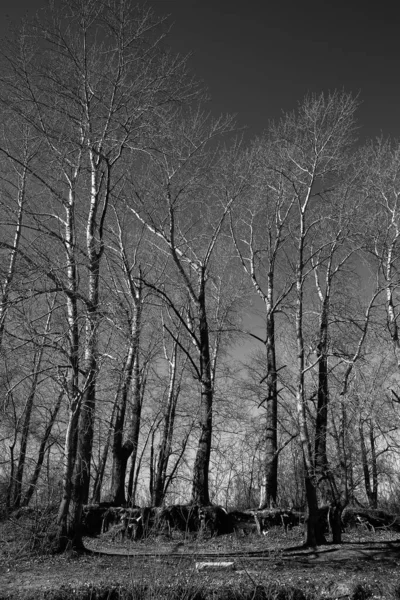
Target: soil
column 367, row 559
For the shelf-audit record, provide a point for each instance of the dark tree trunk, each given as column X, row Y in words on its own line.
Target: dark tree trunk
column 164, row 452
column 85, row 440
column 314, row 532
column 134, row 428
column 28, row 413
column 364, row 460
column 200, row 489
column 335, row 521
column 130, row 492
column 98, row 481
column 122, row 450
column 269, row 485
column 373, row 500
column 369, row 465
column 325, row 491
column 328, row 491
column 342, row 451
column 10, row 486
column 130, row 447
column 42, row 452
column 81, row 478
column 65, row 521
column 17, row 488
column 81, row 481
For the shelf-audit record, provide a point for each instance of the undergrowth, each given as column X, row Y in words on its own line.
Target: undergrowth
column 148, row 592
column 24, row 546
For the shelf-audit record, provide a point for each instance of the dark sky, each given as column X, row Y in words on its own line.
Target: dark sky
column 259, row 58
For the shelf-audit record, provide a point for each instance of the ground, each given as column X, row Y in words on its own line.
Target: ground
column 366, row 565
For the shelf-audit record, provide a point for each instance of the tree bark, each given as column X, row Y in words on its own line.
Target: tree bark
column 369, row 465
column 164, row 452
column 269, row 484
column 200, row 486
column 373, row 500
column 321, row 421
column 10, row 273
column 98, row 481
column 130, row 378
column 313, row 532
column 28, row 413
column 364, row 460
column 65, row 522
column 42, row 451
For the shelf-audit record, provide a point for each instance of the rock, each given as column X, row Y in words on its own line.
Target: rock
column 206, row 566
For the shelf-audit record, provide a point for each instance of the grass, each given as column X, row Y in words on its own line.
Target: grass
column 274, row 567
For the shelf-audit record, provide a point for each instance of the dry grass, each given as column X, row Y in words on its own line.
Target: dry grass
column 274, row 567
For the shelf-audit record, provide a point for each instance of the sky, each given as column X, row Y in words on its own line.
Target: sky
column 258, row 59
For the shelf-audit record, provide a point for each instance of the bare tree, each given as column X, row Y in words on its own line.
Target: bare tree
column 159, row 462
column 17, row 141
column 260, row 229
column 179, row 199
column 381, row 161
column 28, row 408
column 89, row 79
column 312, row 148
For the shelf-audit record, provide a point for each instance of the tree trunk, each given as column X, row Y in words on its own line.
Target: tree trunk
column 9, row 276
column 28, row 412
column 325, row 491
column 17, row 488
column 335, row 521
column 269, row 484
column 65, row 522
column 99, row 192
column 342, row 451
column 120, row 451
column 130, row 491
column 98, row 481
column 314, row 534
column 132, row 443
column 364, row 461
column 130, row 446
column 10, row 486
column 42, row 452
column 164, row 453
column 369, row 466
column 374, row 468
column 200, row 489
column 85, row 436
column 130, row 376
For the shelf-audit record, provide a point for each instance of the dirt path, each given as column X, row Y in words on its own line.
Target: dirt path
column 388, row 551
column 374, row 562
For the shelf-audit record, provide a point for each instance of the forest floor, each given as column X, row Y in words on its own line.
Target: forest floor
column 275, row 566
